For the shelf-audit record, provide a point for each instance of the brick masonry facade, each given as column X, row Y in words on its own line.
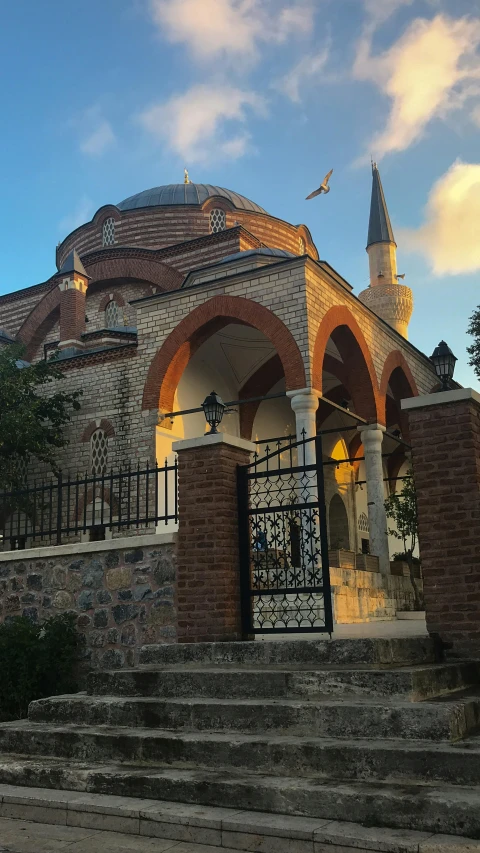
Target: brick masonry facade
column 297, row 293
column 123, row 595
column 298, row 303
column 445, row 440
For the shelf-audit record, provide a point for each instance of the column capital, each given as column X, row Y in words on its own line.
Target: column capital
column 304, row 392
column 304, row 400
column 372, row 428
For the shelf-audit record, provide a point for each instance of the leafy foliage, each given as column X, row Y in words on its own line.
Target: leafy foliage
column 474, row 349
column 32, row 420
column 401, row 508
column 36, row 661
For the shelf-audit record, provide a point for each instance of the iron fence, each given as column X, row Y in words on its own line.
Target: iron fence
column 46, row 512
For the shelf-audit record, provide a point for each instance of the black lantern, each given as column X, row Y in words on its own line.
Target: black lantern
column 444, row 361
column 213, row 409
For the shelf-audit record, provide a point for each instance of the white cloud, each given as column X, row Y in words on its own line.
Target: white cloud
column 197, row 124
column 449, row 237
column 379, row 11
column 231, row 28
column 94, row 132
column 98, row 140
column 308, row 69
column 82, row 213
column 431, row 70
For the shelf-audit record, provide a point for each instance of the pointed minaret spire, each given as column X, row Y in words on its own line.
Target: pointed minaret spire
column 392, row 301
column 379, row 227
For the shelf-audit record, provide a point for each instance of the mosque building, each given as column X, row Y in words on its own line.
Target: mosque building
column 189, row 287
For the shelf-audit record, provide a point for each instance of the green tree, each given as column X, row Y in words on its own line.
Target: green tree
column 474, row 349
column 32, row 416
column 401, row 508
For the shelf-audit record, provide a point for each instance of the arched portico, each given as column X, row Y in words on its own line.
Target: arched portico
column 171, row 359
column 397, row 384
column 355, row 363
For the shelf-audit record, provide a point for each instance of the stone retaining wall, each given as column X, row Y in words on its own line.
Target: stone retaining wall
column 122, row 591
column 360, row 596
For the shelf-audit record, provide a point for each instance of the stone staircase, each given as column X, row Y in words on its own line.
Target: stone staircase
column 372, row 731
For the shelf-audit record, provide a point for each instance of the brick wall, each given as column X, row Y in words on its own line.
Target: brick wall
column 72, row 314
column 445, row 437
column 15, row 307
column 166, row 226
column 381, row 340
column 208, row 574
column 123, row 595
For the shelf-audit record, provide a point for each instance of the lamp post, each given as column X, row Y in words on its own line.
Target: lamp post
column 444, row 362
column 213, row 409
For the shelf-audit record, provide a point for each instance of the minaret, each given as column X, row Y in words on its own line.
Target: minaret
column 393, row 302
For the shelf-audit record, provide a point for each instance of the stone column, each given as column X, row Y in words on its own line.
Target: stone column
column 372, row 438
column 208, row 573
column 445, row 438
column 305, row 404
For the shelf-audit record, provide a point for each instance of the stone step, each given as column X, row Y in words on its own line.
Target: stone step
column 206, row 825
column 450, row 719
column 425, row 808
column 416, row 682
column 323, row 758
column 401, row 651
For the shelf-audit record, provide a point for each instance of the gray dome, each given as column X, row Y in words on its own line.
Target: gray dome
column 186, row 194
column 275, row 253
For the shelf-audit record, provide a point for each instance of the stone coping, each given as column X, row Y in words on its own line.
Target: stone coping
column 214, row 438
column 125, row 542
column 217, row 827
column 454, row 396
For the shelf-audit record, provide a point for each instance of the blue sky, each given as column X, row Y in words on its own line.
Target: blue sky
column 103, row 99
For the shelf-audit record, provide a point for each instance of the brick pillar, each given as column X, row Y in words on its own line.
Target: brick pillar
column 208, row 576
column 445, row 438
column 72, row 314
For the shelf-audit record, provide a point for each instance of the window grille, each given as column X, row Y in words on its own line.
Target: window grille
column 20, row 465
column 218, row 221
column 99, row 452
column 109, row 232
column 112, row 315
column 363, row 522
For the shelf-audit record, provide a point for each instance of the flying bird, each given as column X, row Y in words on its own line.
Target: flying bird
column 323, row 188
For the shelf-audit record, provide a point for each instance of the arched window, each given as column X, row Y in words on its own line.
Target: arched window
column 99, row 452
column 218, row 221
column 112, row 315
column 339, row 534
column 302, row 246
column 363, row 523
column 109, row 232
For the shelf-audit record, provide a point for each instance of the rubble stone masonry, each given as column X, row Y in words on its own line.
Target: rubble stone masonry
column 123, row 594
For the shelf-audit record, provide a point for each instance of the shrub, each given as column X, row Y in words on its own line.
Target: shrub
column 405, row 556
column 36, row 661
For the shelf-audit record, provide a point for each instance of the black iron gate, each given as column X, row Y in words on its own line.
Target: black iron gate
column 285, row 581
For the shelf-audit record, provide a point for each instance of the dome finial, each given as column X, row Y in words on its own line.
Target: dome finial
column 186, row 178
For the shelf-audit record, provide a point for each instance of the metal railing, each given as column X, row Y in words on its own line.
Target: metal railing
column 48, row 511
